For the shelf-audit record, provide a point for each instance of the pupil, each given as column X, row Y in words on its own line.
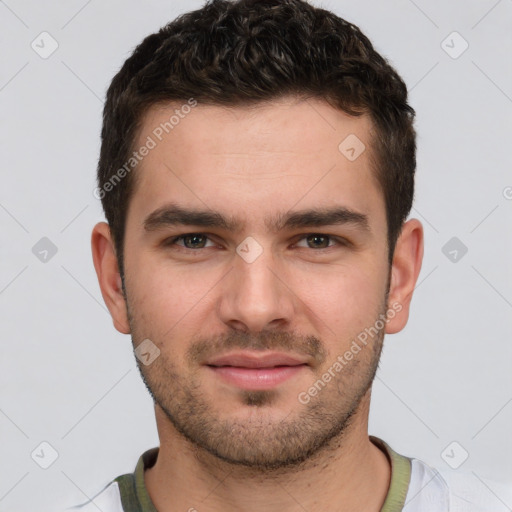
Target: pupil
column 194, row 239
column 316, row 238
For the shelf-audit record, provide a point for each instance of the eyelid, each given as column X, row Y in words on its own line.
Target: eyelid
column 173, row 239
column 339, row 240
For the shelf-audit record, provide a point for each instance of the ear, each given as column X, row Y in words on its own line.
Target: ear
column 109, row 278
column 405, row 269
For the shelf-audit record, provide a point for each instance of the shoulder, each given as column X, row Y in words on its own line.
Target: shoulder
column 485, row 493
column 127, row 492
column 107, row 500
column 454, row 491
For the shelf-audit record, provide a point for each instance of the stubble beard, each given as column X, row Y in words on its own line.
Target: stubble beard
column 259, row 442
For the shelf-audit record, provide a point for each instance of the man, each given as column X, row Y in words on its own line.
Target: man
column 256, row 172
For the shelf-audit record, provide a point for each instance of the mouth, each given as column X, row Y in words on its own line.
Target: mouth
column 253, row 371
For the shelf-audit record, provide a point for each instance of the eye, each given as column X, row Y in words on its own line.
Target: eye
column 195, row 241
column 320, row 241
column 190, row 241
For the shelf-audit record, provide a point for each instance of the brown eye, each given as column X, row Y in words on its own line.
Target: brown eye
column 318, row 241
column 190, row 241
column 195, row 241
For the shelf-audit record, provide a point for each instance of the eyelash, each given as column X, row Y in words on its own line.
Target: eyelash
column 340, row 241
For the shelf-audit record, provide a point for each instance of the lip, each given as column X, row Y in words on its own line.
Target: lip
column 256, row 360
column 253, row 371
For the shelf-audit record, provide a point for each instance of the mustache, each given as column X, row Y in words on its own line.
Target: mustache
column 204, row 349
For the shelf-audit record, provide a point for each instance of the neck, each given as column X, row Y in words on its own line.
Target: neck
column 348, row 474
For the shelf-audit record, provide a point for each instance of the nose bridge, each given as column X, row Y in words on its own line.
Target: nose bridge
column 254, row 294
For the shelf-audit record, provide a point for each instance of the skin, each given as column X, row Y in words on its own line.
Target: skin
column 222, row 447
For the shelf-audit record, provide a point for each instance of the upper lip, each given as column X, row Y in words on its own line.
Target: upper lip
column 256, row 360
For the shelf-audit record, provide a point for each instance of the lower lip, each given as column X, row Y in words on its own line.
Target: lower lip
column 256, row 378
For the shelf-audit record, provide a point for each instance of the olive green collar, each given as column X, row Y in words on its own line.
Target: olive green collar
column 400, row 477
column 134, row 495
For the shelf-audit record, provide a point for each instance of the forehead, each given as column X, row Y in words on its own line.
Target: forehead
column 280, row 125
column 257, row 160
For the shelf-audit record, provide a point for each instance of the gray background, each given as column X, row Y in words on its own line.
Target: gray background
column 68, row 378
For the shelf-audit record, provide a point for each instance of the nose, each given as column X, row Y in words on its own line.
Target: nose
column 254, row 297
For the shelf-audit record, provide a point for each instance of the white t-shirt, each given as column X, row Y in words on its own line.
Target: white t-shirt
column 415, row 487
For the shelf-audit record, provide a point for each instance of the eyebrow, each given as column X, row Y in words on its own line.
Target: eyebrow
column 175, row 215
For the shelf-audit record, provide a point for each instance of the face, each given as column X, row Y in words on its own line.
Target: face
column 255, row 254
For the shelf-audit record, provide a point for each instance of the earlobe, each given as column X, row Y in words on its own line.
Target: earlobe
column 405, row 270
column 109, row 279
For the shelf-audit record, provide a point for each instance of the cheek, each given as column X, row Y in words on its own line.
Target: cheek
column 167, row 300
column 345, row 301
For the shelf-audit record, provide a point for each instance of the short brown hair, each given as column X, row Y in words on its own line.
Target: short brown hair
column 241, row 52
